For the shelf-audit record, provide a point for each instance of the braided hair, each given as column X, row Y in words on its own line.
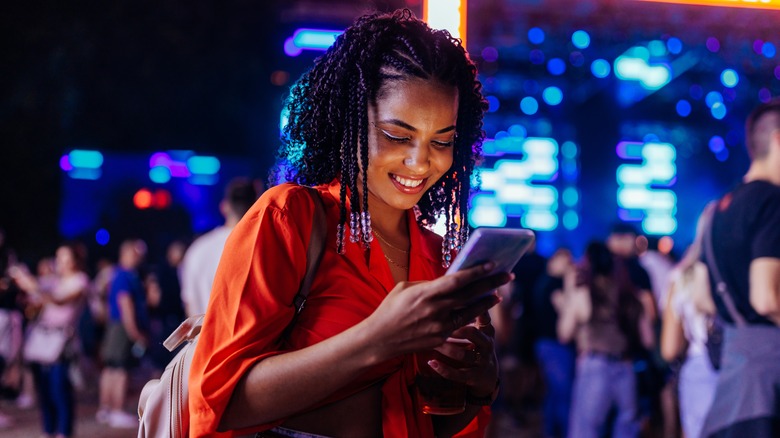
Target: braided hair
column 327, row 129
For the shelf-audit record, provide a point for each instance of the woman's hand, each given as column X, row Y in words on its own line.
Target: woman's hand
column 479, row 369
column 421, row 315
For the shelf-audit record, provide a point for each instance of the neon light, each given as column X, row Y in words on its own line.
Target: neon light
column 754, row 4
column 160, row 174
column 634, row 65
column 203, row 165
column 641, row 194
column 85, row 159
column 83, row 173
column 571, row 220
column 310, row 39
column 142, row 199
column 65, row 163
column 447, row 14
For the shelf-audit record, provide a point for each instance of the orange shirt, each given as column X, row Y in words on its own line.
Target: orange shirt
column 262, row 266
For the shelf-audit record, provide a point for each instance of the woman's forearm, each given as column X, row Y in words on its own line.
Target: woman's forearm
column 283, row 385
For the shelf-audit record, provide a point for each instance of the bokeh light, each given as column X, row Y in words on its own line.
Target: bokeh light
column 556, row 66
column 529, row 105
column 683, row 108
column 713, row 45
column 600, row 68
column 552, row 95
column 490, row 54
column 536, row 35
column 580, row 39
column 729, row 78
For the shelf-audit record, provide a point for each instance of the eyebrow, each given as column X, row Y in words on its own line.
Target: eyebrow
column 405, row 125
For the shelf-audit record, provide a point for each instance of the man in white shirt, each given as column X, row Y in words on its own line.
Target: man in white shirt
column 200, row 262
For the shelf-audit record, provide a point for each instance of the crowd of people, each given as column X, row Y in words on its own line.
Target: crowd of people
column 387, row 127
column 58, row 318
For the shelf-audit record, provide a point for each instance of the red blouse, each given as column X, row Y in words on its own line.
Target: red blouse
column 262, row 266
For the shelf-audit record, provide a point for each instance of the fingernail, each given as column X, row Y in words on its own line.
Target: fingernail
column 433, row 364
column 489, row 266
column 512, row 276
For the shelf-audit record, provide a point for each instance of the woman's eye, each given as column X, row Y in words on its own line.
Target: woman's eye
column 394, row 138
column 444, row 144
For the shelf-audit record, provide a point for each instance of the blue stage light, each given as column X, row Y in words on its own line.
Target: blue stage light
column 718, row 110
column 674, row 45
column 552, row 95
column 536, row 35
column 713, row 45
column 683, row 108
column 600, row 68
column 729, row 78
column 102, row 237
column 160, row 174
column 556, row 66
column 769, row 50
column 717, row 144
column 529, row 105
column 536, row 57
column 580, row 39
column 493, row 103
column 712, row 98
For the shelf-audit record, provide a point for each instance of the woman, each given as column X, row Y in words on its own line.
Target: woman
column 60, row 309
column 387, row 126
column 600, row 310
column 684, row 331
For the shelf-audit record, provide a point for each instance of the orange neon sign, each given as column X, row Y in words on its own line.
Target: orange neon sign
column 756, row 4
column 447, row 14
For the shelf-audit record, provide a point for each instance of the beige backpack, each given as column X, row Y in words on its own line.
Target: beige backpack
column 163, row 409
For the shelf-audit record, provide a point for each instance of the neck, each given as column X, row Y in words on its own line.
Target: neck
column 231, row 221
column 760, row 170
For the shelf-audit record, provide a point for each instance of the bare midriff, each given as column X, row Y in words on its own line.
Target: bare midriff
column 359, row 415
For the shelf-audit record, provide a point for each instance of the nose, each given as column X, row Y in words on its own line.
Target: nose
column 418, row 159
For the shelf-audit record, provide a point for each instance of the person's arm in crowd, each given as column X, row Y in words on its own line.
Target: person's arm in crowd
column 701, row 293
column 765, row 287
column 648, row 318
column 573, row 305
column 127, row 313
column 673, row 342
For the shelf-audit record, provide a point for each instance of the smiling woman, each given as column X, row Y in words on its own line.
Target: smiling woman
column 387, row 127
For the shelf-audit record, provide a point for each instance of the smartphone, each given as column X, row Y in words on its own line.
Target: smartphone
column 502, row 246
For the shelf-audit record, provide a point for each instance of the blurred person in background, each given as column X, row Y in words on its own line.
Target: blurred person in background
column 745, row 237
column 60, row 297
column 10, row 326
column 126, row 335
column 202, row 257
column 684, row 334
column 600, row 310
column 555, row 358
column 166, row 311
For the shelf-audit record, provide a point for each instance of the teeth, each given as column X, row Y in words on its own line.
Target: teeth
column 411, row 183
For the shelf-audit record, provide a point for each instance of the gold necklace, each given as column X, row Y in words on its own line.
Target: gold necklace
column 388, row 243
column 394, row 263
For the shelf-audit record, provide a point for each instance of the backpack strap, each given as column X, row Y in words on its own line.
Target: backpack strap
column 190, row 328
column 319, row 231
column 709, row 257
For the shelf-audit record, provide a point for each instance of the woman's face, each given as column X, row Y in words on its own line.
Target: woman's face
column 63, row 262
column 411, row 139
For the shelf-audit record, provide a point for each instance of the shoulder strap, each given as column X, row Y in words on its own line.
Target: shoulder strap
column 190, row 328
column 319, row 231
column 709, row 255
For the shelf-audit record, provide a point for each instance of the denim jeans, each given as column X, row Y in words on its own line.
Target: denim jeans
column 603, row 383
column 557, row 362
column 55, row 397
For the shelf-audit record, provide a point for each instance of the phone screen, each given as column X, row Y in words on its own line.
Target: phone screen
column 502, row 246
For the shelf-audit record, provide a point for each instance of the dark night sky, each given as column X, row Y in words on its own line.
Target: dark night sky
column 127, row 76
